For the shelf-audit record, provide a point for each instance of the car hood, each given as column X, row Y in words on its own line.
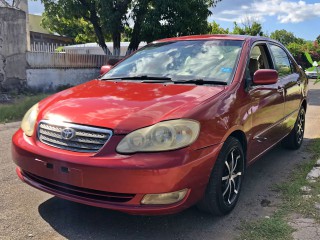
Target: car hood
column 124, row 106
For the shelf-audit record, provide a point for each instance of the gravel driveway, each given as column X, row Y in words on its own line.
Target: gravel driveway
column 26, row 213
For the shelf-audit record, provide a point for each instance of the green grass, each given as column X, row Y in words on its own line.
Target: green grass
column 15, row 111
column 276, row 227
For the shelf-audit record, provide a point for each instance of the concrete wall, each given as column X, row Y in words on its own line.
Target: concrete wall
column 50, row 79
column 12, row 49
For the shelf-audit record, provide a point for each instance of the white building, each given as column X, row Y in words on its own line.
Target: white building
column 94, row 48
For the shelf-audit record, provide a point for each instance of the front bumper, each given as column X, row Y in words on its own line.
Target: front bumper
column 111, row 180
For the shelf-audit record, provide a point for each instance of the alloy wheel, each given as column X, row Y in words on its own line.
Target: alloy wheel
column 232, row 176
column 300, row 127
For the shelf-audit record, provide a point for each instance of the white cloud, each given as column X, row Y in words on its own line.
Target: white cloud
column 285, row 11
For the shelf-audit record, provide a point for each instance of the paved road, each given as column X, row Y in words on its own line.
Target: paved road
column 26, row 213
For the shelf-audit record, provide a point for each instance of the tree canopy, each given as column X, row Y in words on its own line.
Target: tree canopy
column 249, row 27
column 147, row 19
column 215, row 28
column 318, row 39
column 285, row 37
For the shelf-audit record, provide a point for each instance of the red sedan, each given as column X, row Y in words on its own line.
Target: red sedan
column 173, row 125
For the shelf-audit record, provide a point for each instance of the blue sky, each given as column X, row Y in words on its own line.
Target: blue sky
column 300, row 17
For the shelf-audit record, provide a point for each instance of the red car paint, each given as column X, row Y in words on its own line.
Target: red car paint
column 260, row 113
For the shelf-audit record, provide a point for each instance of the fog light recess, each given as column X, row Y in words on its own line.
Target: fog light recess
column 164, row 198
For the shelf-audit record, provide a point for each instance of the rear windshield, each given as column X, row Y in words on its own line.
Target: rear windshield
column 214, row 60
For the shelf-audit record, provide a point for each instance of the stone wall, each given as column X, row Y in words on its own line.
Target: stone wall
column 47, row 80
column 12, row 49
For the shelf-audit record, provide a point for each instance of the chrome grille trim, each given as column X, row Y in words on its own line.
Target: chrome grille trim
column 87, row 139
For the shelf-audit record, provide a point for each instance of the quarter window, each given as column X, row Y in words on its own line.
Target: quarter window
column 282, row 62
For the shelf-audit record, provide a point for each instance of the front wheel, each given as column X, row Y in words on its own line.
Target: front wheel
column 225, row 182
column 295, row 138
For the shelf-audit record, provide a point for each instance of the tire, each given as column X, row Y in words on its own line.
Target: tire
column 295, row 138
column 223, row 190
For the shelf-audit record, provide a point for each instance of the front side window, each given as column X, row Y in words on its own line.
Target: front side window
column 282, row 62
column 214, row 60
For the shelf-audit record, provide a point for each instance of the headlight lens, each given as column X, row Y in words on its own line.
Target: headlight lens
column 29, row 120
column 163, row 136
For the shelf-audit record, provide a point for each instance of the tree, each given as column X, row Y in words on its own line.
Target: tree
column 113, row 15
column 252, row 29
column 214, row 28
column 72, row 11
column 175, row 18
column 79, row 29
column 286, row 37
column 151, row 19
column 318, row 39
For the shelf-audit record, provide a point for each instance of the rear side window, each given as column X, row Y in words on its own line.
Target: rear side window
column 282, row 62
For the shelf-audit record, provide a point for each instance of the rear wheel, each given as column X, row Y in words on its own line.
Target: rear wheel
column 225, row 182
column 295, row 138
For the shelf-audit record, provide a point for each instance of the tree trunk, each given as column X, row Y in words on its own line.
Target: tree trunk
column 135, row 40
column 101, row 39
column 94, row 19
column 116, row 37
column 136, row 33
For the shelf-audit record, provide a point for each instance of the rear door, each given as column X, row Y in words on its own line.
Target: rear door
column 289, row 76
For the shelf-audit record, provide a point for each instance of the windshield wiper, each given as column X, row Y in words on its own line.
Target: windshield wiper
column 200, row 81
column 145, row 78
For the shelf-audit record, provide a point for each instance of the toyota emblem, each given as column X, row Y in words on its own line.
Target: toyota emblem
column 68, row 133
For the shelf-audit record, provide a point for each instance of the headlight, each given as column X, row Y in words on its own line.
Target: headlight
column 29, row 120
column 164, row 136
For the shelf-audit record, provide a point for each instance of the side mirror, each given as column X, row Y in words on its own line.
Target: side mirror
column 265, row 77
column 106, row 68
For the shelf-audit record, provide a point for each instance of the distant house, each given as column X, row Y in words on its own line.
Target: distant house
column 39, row 35
column 94, row 48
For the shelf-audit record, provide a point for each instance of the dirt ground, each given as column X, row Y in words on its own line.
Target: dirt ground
column 26, row 213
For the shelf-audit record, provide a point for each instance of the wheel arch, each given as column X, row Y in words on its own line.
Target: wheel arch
column 241, row 136
column 304, row 104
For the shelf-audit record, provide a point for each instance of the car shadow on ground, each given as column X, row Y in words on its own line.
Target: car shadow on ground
column 77, row 221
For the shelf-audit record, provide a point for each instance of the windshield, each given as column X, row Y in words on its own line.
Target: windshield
column 210, row 60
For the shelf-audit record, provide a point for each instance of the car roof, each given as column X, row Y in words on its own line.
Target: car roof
column 214, row 37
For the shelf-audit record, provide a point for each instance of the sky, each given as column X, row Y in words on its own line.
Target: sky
column 300, row 17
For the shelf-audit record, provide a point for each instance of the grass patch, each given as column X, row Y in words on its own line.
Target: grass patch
column 15, row 111
column 291, row 190
column 276, row 227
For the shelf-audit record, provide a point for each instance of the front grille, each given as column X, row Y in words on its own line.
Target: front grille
column 83, row 138
column 79, row 192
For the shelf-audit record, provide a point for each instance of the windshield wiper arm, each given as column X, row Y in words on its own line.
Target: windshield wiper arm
column 200, row 82
column 142, row 77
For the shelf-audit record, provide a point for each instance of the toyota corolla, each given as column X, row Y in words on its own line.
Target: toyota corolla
column 173, row 125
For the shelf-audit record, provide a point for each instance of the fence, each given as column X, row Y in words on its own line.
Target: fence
column 45, row 47
column 38, row 60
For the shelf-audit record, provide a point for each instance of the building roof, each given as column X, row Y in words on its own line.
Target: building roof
column 34, row 24
column 96, row 45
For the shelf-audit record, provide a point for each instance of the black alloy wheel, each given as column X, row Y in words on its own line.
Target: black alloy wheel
column 225, row 182
column 295, row 138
